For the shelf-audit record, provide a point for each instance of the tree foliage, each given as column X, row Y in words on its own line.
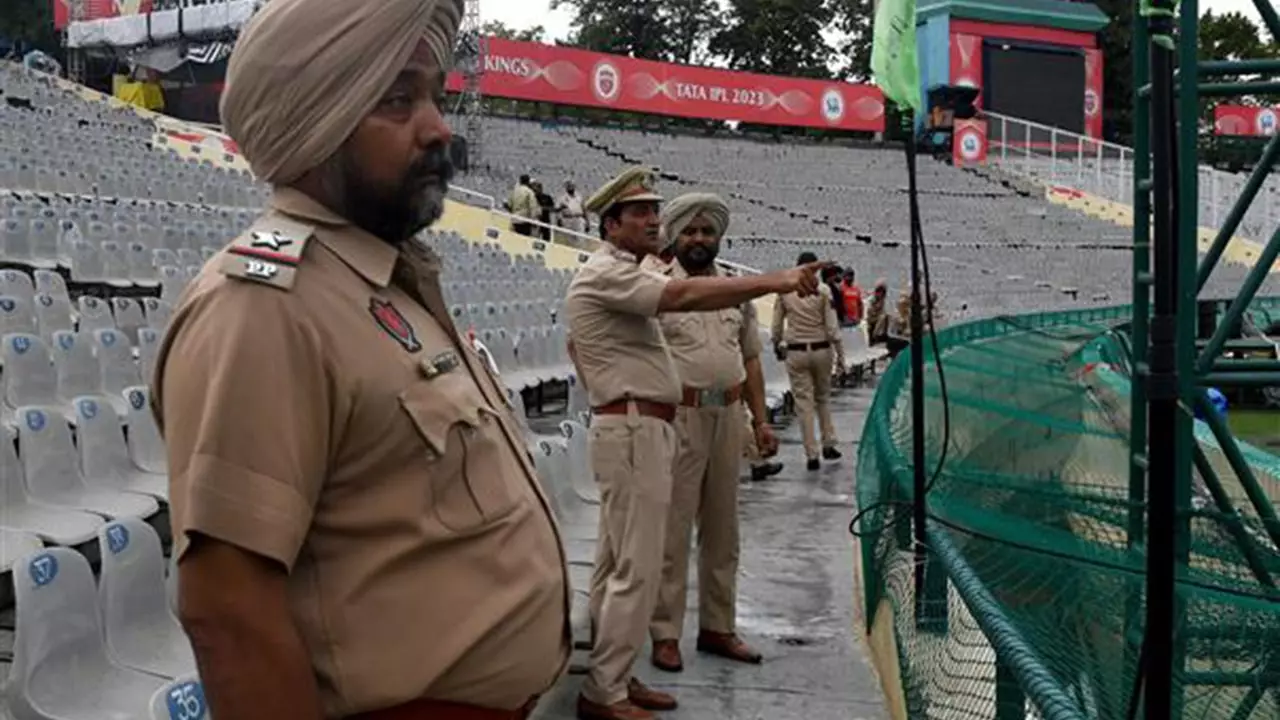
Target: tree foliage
column 778, row 37
column 30, row 24
column 854, row 20
column 497, row 28
column 667, row 30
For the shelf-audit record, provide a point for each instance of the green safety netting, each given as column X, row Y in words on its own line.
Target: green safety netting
column 1031, row 603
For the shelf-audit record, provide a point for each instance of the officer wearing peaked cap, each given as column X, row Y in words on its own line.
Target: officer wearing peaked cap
column 624, row 363
column 358, row 528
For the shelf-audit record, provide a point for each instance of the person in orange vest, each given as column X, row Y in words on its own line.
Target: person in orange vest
column 852, row 297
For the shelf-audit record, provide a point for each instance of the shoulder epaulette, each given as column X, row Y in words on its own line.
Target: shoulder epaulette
column 269, row 251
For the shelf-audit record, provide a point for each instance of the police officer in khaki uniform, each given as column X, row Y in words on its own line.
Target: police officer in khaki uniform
column 358, row 526
column 806, row 334
column 717, row 355
column 617, row 346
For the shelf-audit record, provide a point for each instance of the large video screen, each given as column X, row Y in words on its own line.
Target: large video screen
column 1044, row 85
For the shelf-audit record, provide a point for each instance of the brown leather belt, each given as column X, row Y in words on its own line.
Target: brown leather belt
column 647, row 408
column 799, row 347
column 426, row 709
column 711, row 397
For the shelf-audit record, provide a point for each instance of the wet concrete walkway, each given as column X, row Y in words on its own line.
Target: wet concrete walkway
column 796, row 595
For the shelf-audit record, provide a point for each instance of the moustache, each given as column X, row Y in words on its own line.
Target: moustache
column 435, row 167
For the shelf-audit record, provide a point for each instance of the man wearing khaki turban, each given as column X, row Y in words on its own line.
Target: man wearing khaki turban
column 358, row 528
column 717, row 358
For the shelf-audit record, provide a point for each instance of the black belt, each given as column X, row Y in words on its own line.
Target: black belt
column 809, row 346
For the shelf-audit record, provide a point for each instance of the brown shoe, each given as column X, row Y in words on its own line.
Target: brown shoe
column 666, row 655
column 648, row 698
column 727, row 645
column 622, row 710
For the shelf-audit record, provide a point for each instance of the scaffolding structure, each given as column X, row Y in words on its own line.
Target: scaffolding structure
column 472, row 53
column 1172, row 367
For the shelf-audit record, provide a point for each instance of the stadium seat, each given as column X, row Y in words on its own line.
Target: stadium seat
column 76, row 366
column 94, row 314
column 61, row 670
column 104, row 456
column 141, row 632
column 146, row 447
column 29, row 374
column 579, row 462
column 14, row 545
column 52, row 313
column 53, row 525
column 52, row 470
column 119, row 371
column 180, row 699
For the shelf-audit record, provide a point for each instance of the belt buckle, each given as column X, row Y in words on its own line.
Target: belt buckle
column 711, row 397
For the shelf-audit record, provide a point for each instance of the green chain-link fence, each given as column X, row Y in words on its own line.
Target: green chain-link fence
column 1032, row 594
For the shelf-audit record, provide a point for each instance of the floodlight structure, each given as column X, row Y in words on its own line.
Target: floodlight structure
column 1182, row 489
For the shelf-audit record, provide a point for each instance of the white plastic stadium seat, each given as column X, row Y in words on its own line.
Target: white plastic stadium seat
column 60, row 666
column 146, row 447
column 15, row 545
column 59, row 526
column 104, row 458
column 180, row 699
column 141, row 633
column 52, row 469
column 580, row 474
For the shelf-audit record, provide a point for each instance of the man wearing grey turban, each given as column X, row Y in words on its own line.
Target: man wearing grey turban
column 717, row 358
column 358, row 528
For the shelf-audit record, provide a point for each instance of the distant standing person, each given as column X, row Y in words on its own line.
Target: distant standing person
column 806, row 335
column 545, row 206
column 523, row 205
column 569, row 207
column 617, row 346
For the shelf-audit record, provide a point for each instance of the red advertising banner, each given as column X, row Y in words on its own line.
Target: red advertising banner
column 969, row 143
column 1093, row 93
column 568, row 76
column 1244, row 120
column 97, row 10
column 966, row 62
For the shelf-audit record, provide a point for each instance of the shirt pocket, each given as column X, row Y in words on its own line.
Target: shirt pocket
column 471, row 471
column 731, row 324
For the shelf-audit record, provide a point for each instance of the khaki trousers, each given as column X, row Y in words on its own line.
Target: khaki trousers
column 704, row 490
column 810, row 373
column 631, row 456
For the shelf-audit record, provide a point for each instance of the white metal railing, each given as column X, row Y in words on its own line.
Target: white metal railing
column 1061, row 158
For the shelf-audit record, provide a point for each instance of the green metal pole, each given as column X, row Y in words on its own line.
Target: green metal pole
column 1225, row 68
column 1231, row 518
column 1239, row 379
column 1260, row 173
column 1257, row 495
column 1269, row 17
column 1257, row 275
column 1187, row 228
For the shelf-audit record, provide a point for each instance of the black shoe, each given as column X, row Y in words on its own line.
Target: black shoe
column 767, row 470
column 830, row 453
column 814, row 463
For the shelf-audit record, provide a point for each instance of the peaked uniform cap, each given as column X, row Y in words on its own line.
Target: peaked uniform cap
column 632, row 185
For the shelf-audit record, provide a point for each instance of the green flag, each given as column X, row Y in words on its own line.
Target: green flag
column 893, row 53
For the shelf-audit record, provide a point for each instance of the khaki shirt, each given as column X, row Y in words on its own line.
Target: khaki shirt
column 612, row 308
column 809, row 319
column 303, row 425
column 709, row 348
column 524, row 203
